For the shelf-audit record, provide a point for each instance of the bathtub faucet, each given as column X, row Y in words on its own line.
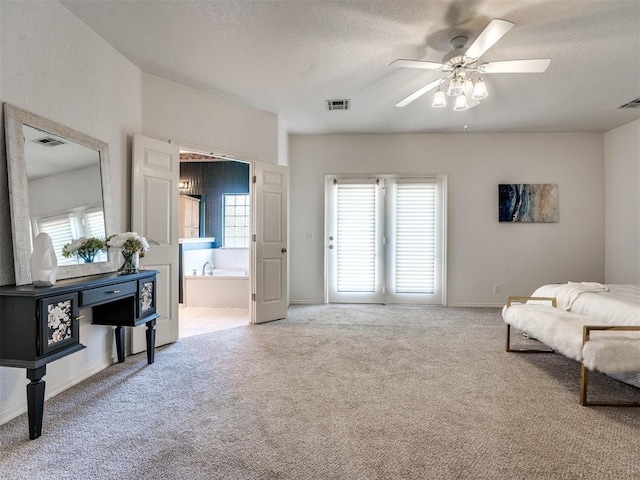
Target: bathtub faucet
column 208, row 271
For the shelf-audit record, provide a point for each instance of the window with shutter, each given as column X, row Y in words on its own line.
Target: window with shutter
column 62, row 230
column 94, row 227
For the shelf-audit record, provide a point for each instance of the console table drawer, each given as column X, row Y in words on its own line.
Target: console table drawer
column 96, row 296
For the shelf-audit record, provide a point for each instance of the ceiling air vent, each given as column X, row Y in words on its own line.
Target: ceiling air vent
column 340, row 104
column 635, row 103
column 48, row 141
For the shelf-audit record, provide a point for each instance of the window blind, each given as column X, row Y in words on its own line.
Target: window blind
column 94, row 227
column 94, row 224
column 415, row 238
column 60, row 230
column 356, row 228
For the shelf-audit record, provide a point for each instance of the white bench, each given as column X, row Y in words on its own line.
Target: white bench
column 613, row 349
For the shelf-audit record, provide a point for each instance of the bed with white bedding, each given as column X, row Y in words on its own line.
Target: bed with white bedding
column 614, row 304
column 598, row 325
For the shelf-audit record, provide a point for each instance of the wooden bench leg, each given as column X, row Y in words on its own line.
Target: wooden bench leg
column 584, row 383
column 518, row 350
column 584, row 372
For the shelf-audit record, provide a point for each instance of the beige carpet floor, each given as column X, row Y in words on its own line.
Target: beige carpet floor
column 335, row 392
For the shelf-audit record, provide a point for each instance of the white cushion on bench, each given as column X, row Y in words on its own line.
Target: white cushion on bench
column 558, row 329
column 612, row 352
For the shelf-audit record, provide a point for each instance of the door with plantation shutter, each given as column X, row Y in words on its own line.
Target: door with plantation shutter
column 385, row 240
column 414, row 243
column 354, row 241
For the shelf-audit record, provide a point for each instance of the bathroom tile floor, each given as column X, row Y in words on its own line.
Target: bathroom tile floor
column 198, row 320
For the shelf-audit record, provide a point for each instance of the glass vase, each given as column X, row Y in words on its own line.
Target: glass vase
column 88, row 257
column 131, row 263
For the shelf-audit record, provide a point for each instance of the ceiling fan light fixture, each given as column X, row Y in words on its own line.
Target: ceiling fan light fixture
column 479, row 90
column 455, row 86
column 460, row 65
column 439, row 99
column 461, row 103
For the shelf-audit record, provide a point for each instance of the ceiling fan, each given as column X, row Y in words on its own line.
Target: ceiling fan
column 460, row 65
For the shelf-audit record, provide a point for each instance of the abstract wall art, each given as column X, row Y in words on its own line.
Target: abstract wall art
column 528, row 203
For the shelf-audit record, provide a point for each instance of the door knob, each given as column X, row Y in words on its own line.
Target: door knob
column 331, row 247
column 331, row 237
column 284, row 250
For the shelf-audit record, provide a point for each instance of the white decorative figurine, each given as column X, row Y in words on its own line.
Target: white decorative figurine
column 44, row 264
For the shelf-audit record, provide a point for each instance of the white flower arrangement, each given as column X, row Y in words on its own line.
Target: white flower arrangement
column 85, row 248
column 129, row 242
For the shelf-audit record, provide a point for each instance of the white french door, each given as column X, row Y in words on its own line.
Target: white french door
column 385, row 240
column 354, row 241
column 154, row 214
column 269, row 246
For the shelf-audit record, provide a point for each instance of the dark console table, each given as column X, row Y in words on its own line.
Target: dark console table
column 39, row 325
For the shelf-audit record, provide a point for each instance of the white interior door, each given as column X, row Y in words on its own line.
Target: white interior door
column 154, row 214
column 269, row 252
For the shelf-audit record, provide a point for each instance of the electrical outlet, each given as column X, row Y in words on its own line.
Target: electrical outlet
column 496, row 288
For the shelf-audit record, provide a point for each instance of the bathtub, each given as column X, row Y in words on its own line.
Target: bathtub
column 223, row 288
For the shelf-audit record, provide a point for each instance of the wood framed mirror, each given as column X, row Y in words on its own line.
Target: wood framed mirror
column 59, row 182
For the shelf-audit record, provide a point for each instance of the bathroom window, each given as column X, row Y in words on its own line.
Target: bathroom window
column 237, row 220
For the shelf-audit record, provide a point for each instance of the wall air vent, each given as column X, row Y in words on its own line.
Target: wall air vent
column 340, row 104
column 48, row 141
column 635, row 103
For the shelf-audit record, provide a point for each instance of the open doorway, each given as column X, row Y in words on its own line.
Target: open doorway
column 215, row 229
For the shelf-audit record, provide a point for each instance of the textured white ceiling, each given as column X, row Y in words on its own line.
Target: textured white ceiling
column 289, row 56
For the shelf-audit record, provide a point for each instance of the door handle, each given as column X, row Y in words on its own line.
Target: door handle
column 331, row 247
column 284, row 250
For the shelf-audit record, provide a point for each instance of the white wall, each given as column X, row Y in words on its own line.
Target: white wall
column 481, row 251
column 622, row 193
column 177, row 112
column 45, row 193
column 55, row 66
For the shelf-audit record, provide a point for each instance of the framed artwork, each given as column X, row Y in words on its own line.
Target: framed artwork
column 528, row 203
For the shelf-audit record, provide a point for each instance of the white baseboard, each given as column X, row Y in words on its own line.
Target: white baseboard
column 306, row 302
column 52, row 391
column 478, row 305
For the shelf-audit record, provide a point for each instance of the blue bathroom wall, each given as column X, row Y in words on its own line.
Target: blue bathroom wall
column 209, row 181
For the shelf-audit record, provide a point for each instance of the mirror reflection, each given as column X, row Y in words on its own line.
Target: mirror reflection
column 65, row 194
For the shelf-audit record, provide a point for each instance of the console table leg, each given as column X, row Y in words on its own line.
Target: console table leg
column 119, row 331
column 35, row 400
column 151, row 341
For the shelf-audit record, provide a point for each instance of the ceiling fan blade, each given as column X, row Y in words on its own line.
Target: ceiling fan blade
column 417, row 94
column 536, row 65
column 493, row 32
column 416, row 64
